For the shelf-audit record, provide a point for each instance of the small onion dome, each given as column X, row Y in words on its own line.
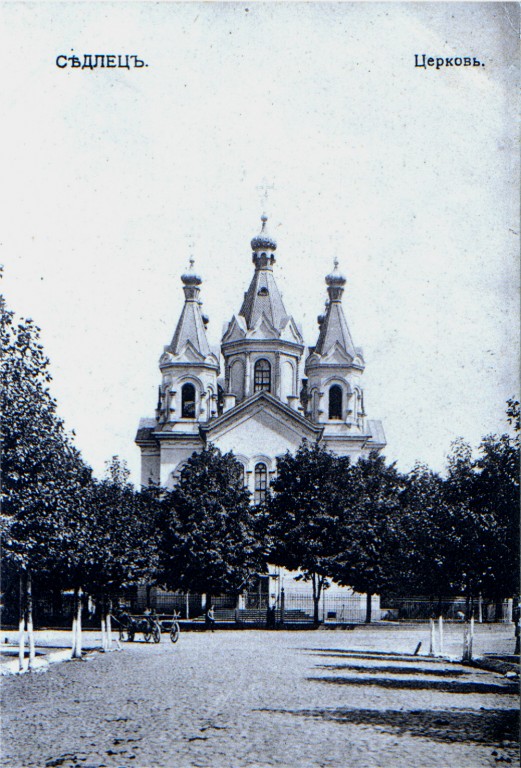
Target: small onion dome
column 263, row 240
column 205, row 319
column 335, row 277
column 190, row 277
column 320, row 319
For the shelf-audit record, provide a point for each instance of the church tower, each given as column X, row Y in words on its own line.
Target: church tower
column 262, row 345
column 258, row 411
column 334, row 371
column 187, row 395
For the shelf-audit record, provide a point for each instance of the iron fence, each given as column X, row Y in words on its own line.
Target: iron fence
column 456, row 609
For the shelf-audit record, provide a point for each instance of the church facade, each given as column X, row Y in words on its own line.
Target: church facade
column 265, row 392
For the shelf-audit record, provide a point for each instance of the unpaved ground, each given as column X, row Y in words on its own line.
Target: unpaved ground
column 257, row 698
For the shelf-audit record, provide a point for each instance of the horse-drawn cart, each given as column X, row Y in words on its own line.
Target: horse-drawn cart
column 150, row 624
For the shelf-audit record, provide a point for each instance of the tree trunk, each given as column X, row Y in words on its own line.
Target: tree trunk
column 21, row 621
column 103, row 624
column 208, row 606
column 30, row 629
column 108, row 624
column 103, row 633
column 76, row 624
column 316, row 599
column 368, row 606
column 498, row 614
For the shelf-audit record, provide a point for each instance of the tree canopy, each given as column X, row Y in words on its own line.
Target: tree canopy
column 208, row 529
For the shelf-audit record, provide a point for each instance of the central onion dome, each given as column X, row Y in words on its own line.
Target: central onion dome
column 335, row 278
column 263, row 239
column 190, row 277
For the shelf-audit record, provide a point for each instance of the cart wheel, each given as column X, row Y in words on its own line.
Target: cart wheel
column 156, row 634
column 147, row 634
column 174, row 632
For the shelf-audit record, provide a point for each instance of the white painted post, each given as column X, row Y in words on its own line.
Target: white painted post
column 103, row 636
column 480, row 608
column 30, row 627
column 187, row 604
column 466, row 642
column 109, row 626
column 431, row 644
column 78, row 624
column 440, row 625
column 471, row 638
column 30, row 635
column 21, row 644
column 21, row 623
column 74, row 635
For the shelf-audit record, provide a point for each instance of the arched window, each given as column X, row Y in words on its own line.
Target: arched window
column 261, row 482
column 262, row 376
column 188, row 401
column 335, row 402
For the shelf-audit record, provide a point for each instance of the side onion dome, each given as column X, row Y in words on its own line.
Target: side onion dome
column 335, row 278
column 263, row 239
column 190, row 277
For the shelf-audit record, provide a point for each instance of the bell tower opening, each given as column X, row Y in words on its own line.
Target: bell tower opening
column 335, row 402
column 262, row 376
column 188, row 401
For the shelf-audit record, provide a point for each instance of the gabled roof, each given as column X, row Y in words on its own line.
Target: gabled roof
column 266, row 401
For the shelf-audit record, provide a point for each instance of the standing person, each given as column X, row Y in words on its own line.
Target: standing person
column 210, row 618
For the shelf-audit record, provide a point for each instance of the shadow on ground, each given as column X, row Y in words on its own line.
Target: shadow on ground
column 372, row 655
column 412, row 670
column 446, row 686
column 491, row 726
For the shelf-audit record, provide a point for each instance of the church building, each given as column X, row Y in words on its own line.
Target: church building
column 265, row 392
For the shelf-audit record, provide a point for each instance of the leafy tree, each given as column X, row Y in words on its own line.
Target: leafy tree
column 122, row 545
column 368, row 533
column 208, row 538
column 302, row 528
column 43, row 474
column 430, row 530
column 485, row 492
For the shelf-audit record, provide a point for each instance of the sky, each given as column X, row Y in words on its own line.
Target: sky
column 113, row 178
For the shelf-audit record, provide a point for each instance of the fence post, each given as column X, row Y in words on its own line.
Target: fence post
column 471, row 637
column 282, row 599
column 440, row 625
column 431, row 644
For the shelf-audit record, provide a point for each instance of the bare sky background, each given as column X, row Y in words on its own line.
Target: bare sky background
column 111, row 178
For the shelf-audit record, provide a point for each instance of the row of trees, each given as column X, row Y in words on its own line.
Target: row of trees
column 365, row 524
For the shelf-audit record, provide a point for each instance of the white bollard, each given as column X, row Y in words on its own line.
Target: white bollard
column 74, row 636
column 440, row 626
column 431, row 644
column 109, row 631
column 21, row 644
column 30, row 636
column 471, row 637
column 103, row 634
